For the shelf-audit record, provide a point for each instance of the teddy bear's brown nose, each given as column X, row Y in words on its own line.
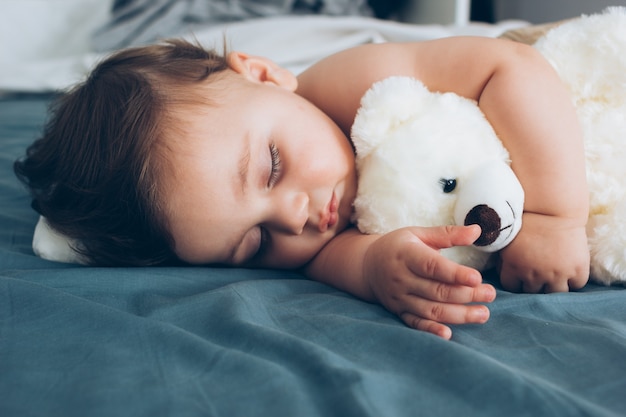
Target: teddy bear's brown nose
column 489, row 222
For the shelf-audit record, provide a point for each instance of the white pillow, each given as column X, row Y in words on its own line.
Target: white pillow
column 53, row 246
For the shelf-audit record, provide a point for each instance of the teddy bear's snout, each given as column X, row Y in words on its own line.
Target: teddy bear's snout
column 489, row 222
column 492, row 197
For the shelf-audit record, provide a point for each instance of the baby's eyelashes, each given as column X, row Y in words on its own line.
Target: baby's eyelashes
column 275, row 170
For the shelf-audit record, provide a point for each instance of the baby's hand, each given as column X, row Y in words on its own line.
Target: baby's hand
column 550, row 254
column 408, row 275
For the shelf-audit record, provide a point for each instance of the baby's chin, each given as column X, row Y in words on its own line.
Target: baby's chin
column 294, row 254
column 346, row 209
column 344, row 223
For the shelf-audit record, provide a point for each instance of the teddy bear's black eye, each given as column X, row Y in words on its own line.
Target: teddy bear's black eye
column 448, row 185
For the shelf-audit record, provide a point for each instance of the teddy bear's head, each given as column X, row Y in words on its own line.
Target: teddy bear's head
column 430, row 159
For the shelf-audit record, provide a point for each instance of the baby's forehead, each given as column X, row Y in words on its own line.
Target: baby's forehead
column 184, row 115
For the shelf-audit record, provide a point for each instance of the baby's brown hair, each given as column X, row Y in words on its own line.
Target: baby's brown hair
column 97, row 172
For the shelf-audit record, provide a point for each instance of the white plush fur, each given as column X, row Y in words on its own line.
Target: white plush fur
column 408, row 138
column 408, row 141
column 590, row 56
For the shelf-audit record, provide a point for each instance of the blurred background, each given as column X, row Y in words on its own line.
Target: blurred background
column 542, row 11
column 49, row 41
column 491, row 11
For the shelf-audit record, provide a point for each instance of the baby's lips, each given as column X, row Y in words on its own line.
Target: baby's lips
column 333, row 219
column 330, row 217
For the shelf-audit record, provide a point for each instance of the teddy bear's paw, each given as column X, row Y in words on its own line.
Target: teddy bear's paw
column 606, row 233
column 608, row 273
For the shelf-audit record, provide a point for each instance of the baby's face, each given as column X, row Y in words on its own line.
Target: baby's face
column 262, row 179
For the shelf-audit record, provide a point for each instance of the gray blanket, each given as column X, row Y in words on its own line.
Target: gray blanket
column 136, row 22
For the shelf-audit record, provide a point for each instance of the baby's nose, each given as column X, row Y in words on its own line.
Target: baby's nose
column 292, row 212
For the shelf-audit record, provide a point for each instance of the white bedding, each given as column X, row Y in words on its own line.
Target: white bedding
column 294, row 42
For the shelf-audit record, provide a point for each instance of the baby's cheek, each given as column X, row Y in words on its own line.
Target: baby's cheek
column 292, row 252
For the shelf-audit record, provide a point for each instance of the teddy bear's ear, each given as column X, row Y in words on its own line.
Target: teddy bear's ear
column 387, row 105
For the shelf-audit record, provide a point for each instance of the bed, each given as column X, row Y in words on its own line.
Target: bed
column 207, row 341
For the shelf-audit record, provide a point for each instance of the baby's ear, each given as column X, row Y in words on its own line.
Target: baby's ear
column 260, row 69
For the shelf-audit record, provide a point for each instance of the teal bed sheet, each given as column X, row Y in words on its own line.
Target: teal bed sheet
column 200, row 341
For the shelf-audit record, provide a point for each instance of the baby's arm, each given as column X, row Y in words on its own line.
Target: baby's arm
column 531, row 111
column 542, row 133
column 540, row 129
column 404, row 271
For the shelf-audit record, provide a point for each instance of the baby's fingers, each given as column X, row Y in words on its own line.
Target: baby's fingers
column 418, row 323
column 456, row 294
column 431, row 265
column 447, row 236
column 430, row 317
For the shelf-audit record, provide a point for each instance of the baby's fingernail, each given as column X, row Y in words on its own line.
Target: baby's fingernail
column 476, row 227
column 481, row 314
column 474, row 278
column 488, row 293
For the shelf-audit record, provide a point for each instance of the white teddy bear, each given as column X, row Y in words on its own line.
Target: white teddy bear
column 430, row 159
